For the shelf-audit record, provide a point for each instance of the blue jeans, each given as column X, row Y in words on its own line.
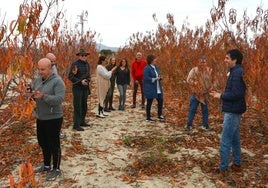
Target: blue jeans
column 122, row 94
column 230, row 140
column 193, row 108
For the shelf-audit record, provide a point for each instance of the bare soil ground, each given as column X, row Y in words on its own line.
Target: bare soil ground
column 124, row 151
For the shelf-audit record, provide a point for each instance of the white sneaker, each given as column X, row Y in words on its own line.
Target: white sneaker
column 161, row 118
column 104, row 114
column 100, row 116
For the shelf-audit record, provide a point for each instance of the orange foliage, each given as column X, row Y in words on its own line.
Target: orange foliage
column 26, row 177
column 11, row 181
column 19, row 56
column 27, row 174
column 177, row 52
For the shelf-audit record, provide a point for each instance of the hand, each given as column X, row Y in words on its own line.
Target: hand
column 28, row 91
column 194, row 83
column 29, row 88
column 215, row 94
column 74, row 70
column 114, row 68
column 84, row 82
column 37, row 94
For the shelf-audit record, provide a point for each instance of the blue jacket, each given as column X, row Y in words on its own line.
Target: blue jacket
column 150, row 84
column 234, row 95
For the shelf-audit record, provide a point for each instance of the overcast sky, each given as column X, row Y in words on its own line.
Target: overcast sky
column 117, row 20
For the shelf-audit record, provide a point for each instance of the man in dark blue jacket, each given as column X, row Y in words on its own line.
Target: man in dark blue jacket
column 233, row 106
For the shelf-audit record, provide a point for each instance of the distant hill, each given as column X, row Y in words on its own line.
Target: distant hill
column 104, row 47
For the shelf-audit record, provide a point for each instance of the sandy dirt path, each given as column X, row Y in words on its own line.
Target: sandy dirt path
column 96, row 157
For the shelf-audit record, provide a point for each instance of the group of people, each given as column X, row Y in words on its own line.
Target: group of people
column 48, row 90
column 120, row 74
column 144, row 74
column 107, row 74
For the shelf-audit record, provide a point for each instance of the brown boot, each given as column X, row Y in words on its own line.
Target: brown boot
column 236, row 168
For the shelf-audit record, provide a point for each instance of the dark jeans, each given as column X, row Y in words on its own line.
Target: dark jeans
column 159, row 106
column 80, row 96
column 108, row 102
column 135, row 90
column 48, row 132
column 194, row 103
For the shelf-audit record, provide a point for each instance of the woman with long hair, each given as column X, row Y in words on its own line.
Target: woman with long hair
column 103, row 83
column 122, row 81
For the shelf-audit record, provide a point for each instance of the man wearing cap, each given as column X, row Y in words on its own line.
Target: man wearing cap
column 79, row 75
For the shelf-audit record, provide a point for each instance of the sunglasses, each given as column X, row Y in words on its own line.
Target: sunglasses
column 83, row 55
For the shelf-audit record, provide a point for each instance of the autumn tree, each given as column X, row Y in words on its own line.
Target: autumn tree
column 178, row 51
column 39, row 28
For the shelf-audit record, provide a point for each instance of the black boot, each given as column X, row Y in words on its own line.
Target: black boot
column 111, row 108
column 100, row 112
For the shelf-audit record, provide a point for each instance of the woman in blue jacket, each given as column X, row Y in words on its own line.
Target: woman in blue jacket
column 153, row 87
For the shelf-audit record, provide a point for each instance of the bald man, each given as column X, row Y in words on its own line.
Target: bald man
column 137, row 69
column 52, row 58
column 49, row 93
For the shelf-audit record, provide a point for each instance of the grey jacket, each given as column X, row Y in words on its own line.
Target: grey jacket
column 50, row 105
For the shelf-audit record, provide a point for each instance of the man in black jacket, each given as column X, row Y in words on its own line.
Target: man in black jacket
column 80, row 77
